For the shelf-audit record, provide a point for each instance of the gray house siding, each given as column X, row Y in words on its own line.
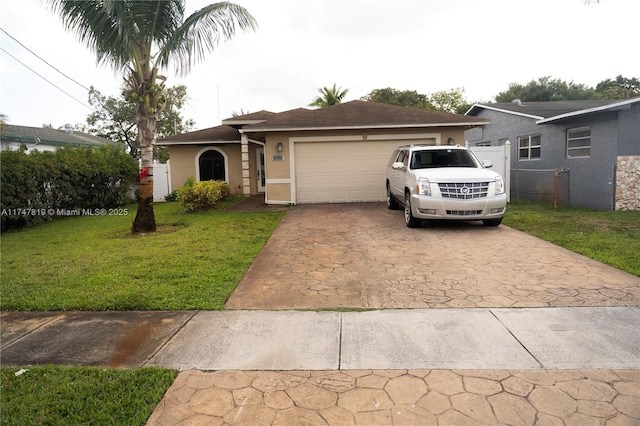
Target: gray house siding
column 629, row 131
column 591, row 180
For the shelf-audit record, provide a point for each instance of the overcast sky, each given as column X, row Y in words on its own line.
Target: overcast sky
column 301, row 45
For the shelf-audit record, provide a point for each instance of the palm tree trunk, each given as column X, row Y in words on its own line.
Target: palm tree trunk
column 145, row 220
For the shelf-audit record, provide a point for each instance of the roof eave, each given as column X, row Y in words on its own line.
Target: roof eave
column 197, row 142
column 610, row 107
column 506, row 111
column 362, row 127
column 241, row 122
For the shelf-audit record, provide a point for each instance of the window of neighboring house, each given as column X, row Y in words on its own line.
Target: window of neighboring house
column 579, row 142
column 529, row 147
column 484, row 143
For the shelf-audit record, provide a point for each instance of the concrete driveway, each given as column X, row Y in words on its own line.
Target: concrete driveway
column 362, row 256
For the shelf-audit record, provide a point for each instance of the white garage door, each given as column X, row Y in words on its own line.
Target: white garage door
column 342, row 172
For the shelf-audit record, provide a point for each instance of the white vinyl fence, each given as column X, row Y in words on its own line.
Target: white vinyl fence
column 500, row 156
column 161, row 181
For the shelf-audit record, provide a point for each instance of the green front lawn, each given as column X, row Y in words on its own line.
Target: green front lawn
column 81, row 395
column 608, row 237
column 194, row 261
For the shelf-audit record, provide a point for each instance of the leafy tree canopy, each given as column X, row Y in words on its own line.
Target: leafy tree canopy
column 446, row 100
column 114, row 119
column 550, row 89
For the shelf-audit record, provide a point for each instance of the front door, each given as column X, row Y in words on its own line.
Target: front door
column 260, row 174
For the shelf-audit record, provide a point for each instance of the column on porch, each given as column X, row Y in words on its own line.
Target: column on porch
column 246, row 177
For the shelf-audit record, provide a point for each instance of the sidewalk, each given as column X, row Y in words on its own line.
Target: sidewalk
column 458, row 366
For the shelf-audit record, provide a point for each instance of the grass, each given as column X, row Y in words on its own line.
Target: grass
column 193, row 261
column 52, row 395
column 611, row 237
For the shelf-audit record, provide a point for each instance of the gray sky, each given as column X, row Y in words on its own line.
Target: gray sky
column 302, row 45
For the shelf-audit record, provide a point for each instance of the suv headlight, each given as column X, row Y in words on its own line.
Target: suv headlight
column 499, row 185
column 423, row 187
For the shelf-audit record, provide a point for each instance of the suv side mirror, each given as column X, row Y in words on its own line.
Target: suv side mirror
column 398, row 165
column 487, row 163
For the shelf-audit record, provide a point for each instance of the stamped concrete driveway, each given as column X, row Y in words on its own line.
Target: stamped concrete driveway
column 362, row 256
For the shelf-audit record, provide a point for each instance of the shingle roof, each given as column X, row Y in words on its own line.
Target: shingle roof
column 349, row 115
column 47, row 136
column 548, row 110
column 361, row 114
column 222, row 133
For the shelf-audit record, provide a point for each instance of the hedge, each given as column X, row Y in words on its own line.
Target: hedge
column 41, row 186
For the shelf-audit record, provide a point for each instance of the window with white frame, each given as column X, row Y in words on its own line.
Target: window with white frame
column 529, row 147
column 484, row 143
column 579, row 142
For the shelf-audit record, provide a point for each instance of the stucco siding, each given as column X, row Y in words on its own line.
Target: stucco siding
column 629, row 131
column 184, row 160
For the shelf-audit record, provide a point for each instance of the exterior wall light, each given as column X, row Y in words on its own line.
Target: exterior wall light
column 279, row 146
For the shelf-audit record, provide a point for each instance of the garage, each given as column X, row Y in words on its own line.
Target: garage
column 343, row 171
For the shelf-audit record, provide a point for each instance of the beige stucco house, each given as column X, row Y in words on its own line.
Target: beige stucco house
column 336, row 154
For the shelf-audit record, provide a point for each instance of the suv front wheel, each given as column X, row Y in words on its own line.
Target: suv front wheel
column 409, row 220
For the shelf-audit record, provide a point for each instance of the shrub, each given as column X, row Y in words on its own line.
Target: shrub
column 201, row 195
column 173, row 196
column 35, row 186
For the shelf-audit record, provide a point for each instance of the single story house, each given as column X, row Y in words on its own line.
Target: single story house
column 336, row 154
column 46, row 139
column 594, row 144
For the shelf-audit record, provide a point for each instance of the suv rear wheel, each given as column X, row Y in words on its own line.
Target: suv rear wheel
column 409, row 220
column 392, row 203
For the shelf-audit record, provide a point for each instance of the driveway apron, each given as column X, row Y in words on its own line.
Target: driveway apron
column 362, row 256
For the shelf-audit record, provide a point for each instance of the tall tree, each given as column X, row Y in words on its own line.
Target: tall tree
column 141, row 38
column 620, row 88
column 113, row 119
column 407, row 98
column 450, row 101
column 547, row 89
column 329, row 96
column 444, row 100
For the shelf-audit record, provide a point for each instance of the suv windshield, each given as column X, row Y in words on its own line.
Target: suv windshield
column 442, row 158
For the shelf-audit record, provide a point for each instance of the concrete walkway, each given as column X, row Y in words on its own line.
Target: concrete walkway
column 457, row 366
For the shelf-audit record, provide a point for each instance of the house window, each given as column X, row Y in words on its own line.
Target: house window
column 529, row 147
column 579, row 142
column 486, row 143
column 212, row 166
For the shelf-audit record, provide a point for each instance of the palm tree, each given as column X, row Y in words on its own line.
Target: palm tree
column 329, row 96
column 141, row 38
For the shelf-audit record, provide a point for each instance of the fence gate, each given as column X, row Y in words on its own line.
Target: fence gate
column 500, row 156
column 161, row 181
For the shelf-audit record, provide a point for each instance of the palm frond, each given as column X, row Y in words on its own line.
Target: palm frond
column 202, row 32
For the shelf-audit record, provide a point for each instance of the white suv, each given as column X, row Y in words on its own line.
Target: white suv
column 444, row 182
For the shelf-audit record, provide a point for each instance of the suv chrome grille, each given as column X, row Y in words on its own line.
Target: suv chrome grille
column 464, row 212
column 464, row 191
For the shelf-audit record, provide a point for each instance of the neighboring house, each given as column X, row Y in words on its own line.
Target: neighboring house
column 335, row 154
column 595, row 144
column 45, row 139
